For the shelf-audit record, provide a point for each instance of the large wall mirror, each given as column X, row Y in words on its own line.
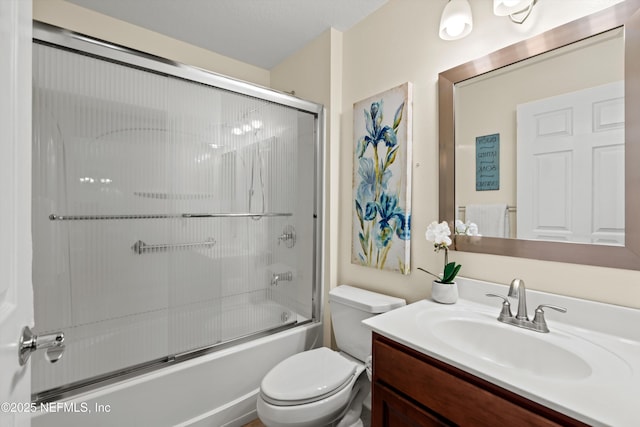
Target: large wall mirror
column 540, row 144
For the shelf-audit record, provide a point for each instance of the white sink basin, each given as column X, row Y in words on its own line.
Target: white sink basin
column 587, row 366
column 557, row 356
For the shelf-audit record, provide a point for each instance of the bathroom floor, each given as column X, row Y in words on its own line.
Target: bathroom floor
column 366, row 420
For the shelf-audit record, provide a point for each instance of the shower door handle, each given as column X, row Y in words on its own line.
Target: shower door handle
column 29, row 342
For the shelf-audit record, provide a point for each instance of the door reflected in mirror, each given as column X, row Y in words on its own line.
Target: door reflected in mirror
column 554, row 167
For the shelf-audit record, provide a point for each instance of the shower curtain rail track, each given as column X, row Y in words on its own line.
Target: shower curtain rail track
column 54, row 217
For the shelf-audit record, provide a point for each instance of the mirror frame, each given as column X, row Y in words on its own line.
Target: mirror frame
column 627, row 14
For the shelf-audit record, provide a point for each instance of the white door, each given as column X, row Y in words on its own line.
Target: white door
column 571, row 167
column 16, row 295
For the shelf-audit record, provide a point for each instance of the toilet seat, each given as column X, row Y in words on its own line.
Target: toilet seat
column 307, row 377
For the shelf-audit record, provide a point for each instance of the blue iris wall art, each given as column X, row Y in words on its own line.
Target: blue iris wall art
column 382, row 181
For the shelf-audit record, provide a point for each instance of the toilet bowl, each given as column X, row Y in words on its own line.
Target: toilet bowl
column 323, row 387
column 292, row 394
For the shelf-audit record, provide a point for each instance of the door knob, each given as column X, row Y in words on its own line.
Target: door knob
column 29, row 342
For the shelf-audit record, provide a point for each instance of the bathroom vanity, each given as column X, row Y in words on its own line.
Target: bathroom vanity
column 413, row 389
column 443, row 365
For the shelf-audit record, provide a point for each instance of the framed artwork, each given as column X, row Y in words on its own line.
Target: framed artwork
column 381, row 230
column 488, row 162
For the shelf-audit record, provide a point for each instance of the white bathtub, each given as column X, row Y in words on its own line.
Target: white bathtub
column 218, row 389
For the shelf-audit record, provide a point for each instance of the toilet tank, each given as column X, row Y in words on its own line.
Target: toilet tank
column 349, row 307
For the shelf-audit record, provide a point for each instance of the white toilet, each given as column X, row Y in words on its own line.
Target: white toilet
column 322, row 387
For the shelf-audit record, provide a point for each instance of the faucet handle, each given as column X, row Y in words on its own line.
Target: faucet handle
column 505, row 313
column 539, row 320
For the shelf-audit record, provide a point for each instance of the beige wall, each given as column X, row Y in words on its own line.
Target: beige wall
column 72, row 17
column 399, row 43
column 315, row 73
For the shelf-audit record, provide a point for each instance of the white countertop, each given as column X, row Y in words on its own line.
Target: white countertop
column 607, row 337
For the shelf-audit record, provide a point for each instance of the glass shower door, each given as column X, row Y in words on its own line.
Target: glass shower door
column 169, row 217
column 98, row 134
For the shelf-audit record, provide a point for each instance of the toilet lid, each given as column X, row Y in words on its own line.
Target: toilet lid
column 307, row 376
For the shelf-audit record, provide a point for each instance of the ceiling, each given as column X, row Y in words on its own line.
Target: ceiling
column 258, row 32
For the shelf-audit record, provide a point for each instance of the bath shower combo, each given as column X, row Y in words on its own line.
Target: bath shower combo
column 177, row 226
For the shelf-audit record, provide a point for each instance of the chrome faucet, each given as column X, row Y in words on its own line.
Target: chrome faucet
column 521, row 320
column 281, row 277
column 518, row 290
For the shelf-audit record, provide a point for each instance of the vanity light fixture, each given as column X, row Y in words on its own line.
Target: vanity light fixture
column 456, row 21
column 517, row 10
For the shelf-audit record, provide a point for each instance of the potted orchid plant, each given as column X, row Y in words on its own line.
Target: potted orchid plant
column 440, row 234
column 444, row 287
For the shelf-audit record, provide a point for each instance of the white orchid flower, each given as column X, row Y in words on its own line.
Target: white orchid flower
column 466, row 228
column 472, row 229
column 439, row 234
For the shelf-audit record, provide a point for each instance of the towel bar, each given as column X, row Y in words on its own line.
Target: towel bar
column 141, row 247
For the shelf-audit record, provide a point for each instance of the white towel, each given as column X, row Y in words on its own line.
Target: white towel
column 492, row 220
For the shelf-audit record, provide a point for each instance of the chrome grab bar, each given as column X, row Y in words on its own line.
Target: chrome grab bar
column 141, row 247
column 235, row 215
column 54, row 217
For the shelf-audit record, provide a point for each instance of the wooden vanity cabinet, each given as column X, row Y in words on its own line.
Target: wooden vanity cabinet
column 412, row 389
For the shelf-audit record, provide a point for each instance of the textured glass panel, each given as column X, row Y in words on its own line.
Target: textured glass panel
column 190, row 215
column 194, row 291
column 98, row 137
column 304, row 255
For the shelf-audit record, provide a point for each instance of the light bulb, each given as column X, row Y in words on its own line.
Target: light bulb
column 454, row 28
column 507, row 7
column 456, row 21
